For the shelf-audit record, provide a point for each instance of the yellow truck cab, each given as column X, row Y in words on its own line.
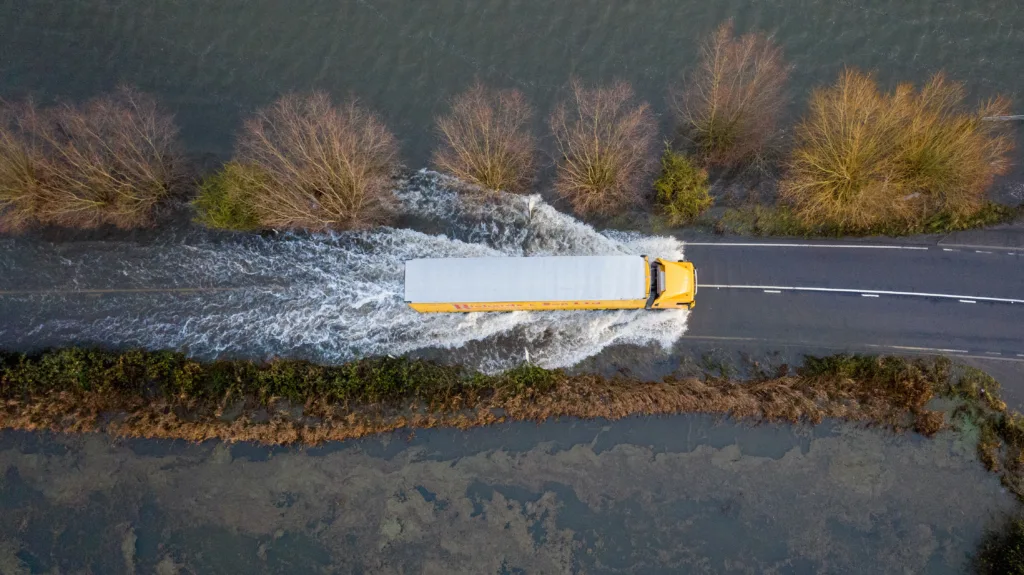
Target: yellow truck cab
column 675, row 284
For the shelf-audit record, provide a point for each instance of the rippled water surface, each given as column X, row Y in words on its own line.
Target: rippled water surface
column 657, row 495
column 214, row 62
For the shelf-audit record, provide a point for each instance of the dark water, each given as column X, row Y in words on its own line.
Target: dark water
column 655, row 495
column 214, row 62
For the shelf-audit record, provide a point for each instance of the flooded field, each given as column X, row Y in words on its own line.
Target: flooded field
column 214, row 63
column 675, row 494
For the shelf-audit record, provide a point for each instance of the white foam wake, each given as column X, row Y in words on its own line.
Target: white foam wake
column 332, row 298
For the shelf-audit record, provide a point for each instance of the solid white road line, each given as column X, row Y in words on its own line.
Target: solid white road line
column 775, row 289
column 911, row 348
column 757, row 245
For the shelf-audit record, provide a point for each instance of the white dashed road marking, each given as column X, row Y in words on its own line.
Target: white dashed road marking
column 840, row 246
column 778, row 289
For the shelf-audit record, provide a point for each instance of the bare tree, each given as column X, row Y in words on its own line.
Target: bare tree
column 111, row 161
column 107, row 162
column 485, row 140
column 605, row 144
column 731, row 103
column 323, row 167
column 21, row 163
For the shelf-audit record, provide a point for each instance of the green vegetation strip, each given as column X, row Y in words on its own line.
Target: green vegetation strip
column 166, row 394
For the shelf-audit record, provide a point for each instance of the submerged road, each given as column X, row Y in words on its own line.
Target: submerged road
column 928, row 298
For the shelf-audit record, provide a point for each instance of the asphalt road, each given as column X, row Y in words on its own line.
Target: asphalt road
column 758, row 306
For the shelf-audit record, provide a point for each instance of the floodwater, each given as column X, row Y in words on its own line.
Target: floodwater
column 213, row 63
column 655, row 495
column 326, row 298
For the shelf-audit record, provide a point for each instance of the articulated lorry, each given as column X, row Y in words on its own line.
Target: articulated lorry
column 548, row 283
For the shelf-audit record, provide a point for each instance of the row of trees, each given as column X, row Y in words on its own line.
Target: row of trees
column 860, row 156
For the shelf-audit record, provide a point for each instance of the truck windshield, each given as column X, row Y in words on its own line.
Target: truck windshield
column 661, row 279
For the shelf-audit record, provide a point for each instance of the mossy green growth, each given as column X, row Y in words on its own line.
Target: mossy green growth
column 174, row 376
column 1002, row 551
column 717, row 136
column 682, row 189
column 223, row 201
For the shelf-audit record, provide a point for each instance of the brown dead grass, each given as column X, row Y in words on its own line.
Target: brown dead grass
column 730, row 105
column 109, row 161
column 605, row 148
column 790, row 399
column 323, row 167
column 486, row 140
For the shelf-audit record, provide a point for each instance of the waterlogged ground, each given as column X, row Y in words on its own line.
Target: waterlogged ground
column 213, row 63
column 675, row 494
column 327, row 298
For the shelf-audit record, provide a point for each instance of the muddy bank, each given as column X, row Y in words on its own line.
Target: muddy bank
column 662, row 494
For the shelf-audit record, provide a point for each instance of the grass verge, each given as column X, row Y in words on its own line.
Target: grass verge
column 762, row 220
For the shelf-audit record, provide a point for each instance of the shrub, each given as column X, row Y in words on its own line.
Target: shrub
column 109, row 161
column 604, row 148
column 682, row 188
column 224, row 199
column 21, row 164
column 731, row 103
column 946, row 156
column 866, row 160
column 841, row 169
column 485, row 140
column 324, row 167
column 1002, row 552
